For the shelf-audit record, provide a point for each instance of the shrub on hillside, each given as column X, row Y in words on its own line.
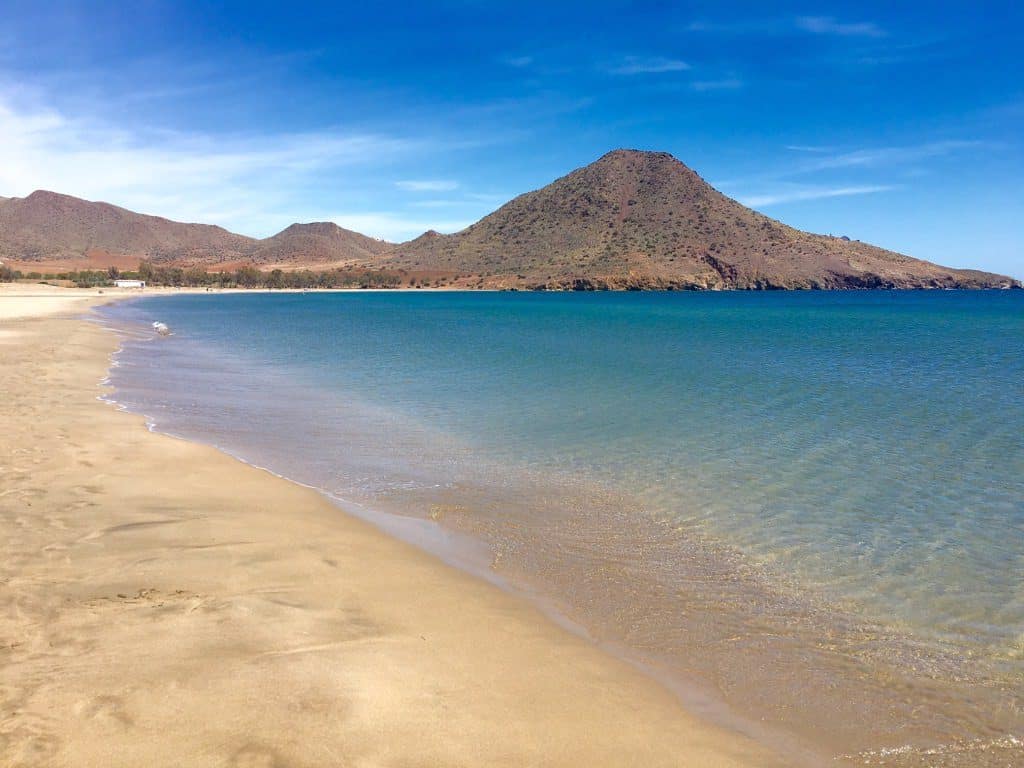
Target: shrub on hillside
column 8, row 275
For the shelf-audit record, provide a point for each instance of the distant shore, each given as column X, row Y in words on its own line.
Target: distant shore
column 167, row 605
column 498, row 286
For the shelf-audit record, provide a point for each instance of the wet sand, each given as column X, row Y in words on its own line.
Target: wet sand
column 164, row 604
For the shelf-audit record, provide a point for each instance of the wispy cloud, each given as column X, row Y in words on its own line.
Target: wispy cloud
column 815, row 193
column 890, row 156
column 825, row 162
column 933, row 49
column 734, row 27
column 827, row 25
column 239, row 181
column 539, row 105
column 518, row 61
column 727, row 84
column 652, row 65
column 395, row 227
column 816, row 25
column 809, row 148
column 427, row 185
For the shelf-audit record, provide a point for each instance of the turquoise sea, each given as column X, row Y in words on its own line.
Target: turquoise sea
column 804, row 511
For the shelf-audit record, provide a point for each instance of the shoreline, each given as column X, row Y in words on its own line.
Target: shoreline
column 151, row 290
column 748, row 639
column 470, row 556
column 166, row 600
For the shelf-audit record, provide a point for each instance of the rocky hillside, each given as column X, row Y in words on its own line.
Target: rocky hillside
column 644, row 220
column 631, row 220
column 46, row 226
column 54, row 229
column 317, row 243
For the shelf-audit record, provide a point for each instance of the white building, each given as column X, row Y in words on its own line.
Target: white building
column 130, row 283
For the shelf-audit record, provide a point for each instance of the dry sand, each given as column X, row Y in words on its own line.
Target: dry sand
column 166, row 605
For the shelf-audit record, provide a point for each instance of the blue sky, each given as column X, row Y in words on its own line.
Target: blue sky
column 896, row 123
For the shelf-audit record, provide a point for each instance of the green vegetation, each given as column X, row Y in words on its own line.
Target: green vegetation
column 243, row 277
column 250, row 277
column 8, row 275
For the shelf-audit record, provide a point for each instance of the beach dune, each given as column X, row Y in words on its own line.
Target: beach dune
column 164, row 604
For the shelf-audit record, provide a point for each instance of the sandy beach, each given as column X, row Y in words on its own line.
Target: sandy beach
column 164, row 604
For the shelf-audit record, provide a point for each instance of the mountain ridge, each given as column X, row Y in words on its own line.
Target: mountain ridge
column 52, row 227
column 320, row 242
column 631, row 220
column 48, row 225
column 644, row 220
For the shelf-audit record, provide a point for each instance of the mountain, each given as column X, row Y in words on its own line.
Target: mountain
column 630, row 220
column 47, row 230
column 321, row 242
column 49, row 227
column 639, row 220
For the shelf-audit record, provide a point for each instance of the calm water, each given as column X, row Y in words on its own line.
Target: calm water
column 807, row 508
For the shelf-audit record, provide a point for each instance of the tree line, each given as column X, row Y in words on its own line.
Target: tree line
column 199, row 277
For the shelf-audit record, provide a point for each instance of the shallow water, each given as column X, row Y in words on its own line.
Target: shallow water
column 808, row 507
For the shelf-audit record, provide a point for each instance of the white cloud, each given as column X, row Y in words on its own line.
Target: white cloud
column 827, row 25
column 395, row 227
column 815, row 193
column 819, row 161
column 427, row 185
column 889, row 156
column 638, row 65
column 238, row 181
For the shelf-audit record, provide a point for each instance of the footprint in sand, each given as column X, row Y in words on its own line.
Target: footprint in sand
column 56, row 522
column 24, row 493
column 10, row 696
column 106, row 708
column 38, row 750
column 252, row 756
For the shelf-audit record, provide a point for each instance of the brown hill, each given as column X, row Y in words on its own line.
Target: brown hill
column 318, row 243
column 49, row 231
column 630, row 220
column 48, row 227
column 641, row 220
